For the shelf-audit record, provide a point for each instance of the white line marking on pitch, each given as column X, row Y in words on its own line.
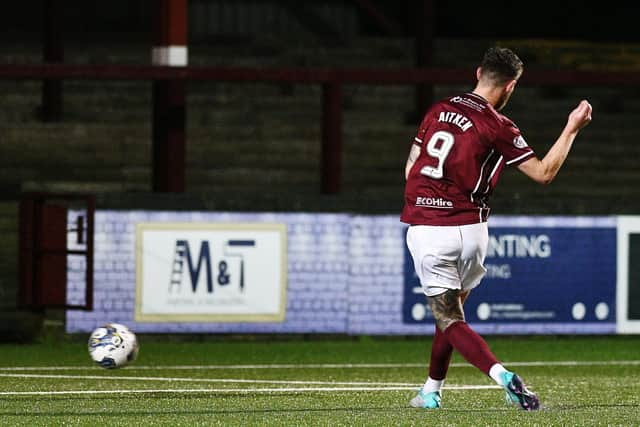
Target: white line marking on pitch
column 241, row 390
column 325, row 365
column 205, row 380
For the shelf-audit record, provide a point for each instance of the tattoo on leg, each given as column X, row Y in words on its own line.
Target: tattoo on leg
column 446, row 308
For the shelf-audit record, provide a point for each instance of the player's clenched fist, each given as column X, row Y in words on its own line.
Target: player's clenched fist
column 580, row 116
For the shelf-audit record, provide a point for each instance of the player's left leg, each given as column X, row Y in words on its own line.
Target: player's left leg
column 435, row 252
column 430, row 394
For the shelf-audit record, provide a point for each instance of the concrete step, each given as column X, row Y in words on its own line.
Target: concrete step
column 63, row 145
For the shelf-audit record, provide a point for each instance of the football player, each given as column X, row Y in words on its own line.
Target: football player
column 461, row 147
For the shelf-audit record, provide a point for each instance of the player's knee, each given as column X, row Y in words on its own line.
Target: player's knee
column 446, row 308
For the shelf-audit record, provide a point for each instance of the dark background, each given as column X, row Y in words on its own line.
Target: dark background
column 593, row 21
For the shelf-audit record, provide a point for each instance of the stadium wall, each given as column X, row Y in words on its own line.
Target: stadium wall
column 211, row 272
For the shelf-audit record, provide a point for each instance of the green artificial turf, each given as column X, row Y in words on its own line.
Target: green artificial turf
column 191, row 383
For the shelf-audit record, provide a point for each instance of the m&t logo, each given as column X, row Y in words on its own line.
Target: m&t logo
column 195, row 265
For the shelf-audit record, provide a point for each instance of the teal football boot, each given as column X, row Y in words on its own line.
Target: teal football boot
column 432, row 400
column 517, row 393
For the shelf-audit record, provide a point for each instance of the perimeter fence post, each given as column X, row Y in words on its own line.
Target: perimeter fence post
column 331, row 137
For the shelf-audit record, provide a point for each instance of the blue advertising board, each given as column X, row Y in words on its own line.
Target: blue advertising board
column 546, row 277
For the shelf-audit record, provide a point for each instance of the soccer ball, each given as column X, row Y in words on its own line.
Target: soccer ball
column 113, row 346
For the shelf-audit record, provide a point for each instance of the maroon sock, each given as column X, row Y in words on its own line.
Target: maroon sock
column 441, row 352
column 471, row 346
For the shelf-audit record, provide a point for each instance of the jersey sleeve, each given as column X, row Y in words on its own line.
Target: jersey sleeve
column 424, row 125
column 512, row 146
column 422, row 131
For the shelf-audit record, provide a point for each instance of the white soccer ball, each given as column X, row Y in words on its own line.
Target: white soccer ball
column 113, row 346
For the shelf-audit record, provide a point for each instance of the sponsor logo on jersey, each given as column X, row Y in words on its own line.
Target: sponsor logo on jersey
column 519, row 142
column 468, row 102
column 433, row 202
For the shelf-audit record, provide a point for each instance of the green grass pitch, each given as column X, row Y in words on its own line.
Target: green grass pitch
column 362, row 381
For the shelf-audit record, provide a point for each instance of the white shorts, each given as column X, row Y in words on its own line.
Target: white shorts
column 448, row 257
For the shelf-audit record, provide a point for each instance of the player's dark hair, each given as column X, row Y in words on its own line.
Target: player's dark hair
column 501, row 65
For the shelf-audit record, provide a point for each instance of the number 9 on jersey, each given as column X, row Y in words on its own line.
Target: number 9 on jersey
column 438, row 151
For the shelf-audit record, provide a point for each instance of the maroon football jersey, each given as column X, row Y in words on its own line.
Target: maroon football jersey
column 464, row 145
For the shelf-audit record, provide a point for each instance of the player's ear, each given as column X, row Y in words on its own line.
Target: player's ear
column 478, row 73
column 511, row 85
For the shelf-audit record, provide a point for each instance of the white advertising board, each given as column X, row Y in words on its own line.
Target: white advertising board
column 231, row 272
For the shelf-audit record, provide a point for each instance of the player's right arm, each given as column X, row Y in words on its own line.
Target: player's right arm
column 545, row 170
column 416, row 145
column 411, row 160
